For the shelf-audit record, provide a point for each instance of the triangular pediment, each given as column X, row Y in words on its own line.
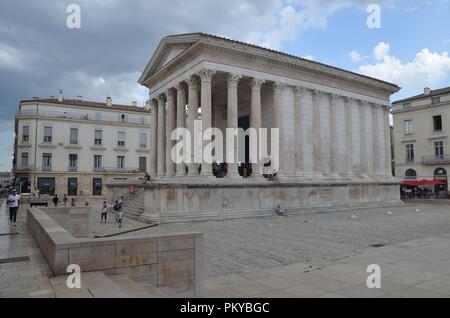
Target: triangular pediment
column 168, row 49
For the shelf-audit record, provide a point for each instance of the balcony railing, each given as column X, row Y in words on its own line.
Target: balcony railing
column 78, row 116
column 120, row 170
column 429, row 160
column 23, row 168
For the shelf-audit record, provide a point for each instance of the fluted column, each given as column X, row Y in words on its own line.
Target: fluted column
column 348, row 135
column 192, row 116
column 278, row 90
column 316, row 132
column 362, row 137
column 387, row 141
column 153, row 137
column 206, row 104
column 170, row 126
column 333, row 135
column 255, row 122
column 376, row 139
column 298, row 91
column 161, row 135
column 232, row 121
column 181, row 122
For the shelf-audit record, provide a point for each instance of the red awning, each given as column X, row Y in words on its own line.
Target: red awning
column 412, row 183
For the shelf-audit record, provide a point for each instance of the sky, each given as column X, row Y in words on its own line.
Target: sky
column 105, row 56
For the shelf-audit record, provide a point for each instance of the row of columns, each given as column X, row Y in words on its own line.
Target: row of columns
column 169, row 112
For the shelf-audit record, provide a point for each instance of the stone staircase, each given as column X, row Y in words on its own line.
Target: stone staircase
column 133, row 207
column 99, row 285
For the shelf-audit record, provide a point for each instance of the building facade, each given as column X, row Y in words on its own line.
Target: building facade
column 334, row 136
column 421, row 132
column 74, row 147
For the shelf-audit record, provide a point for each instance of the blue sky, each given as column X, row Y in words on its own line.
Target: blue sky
column 39, row 54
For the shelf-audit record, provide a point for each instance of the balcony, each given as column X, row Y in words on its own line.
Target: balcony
column 73, row 168
column 77, row 116
column 26, row 168
column 431, row 160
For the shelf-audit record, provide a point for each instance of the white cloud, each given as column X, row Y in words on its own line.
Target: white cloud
column 355, row 56
column 427, row 68
column 308, row 57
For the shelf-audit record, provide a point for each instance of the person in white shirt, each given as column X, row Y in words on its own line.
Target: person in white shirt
column 13, row 202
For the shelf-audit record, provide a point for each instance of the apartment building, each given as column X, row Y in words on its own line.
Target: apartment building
column 421, row 135
column 74, row 147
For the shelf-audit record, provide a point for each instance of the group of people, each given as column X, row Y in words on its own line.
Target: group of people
column 73, row 201
column 117, row 212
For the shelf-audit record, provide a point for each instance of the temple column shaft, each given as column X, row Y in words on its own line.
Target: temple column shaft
column 333, row 135
column 316, row 132
column 192, row 116
column 387, row 141
column 232, row 122
column 376, row 139
column 298, row 91
column 255, row 122
column 181, row 123
column 362, row 138
column 161, row 136
column 206, row 103
column 348, row 136
column 278, row 90
column 170, row 126
column 153, row 137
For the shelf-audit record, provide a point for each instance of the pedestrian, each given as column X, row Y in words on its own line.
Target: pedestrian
column 147, row 177
column 13, row 202
column 72, row 202
column 65, row 199
column 104, row 212
column 117, row 208
column 120, row 216
column 86, row 203
column 55, row 200
column 121, row 202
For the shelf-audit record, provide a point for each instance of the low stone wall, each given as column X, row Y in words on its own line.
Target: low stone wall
column 76, row 220
column 173, row 260
column 195, row 201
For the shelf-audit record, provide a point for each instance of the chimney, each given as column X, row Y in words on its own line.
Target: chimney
column 60, row 96
column 134, row 103
column 426, row 91
column 147, row 105
column 80, row 98
column 108, row 101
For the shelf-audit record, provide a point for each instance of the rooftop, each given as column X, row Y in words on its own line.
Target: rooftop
column 85, row 103
column 436, row 92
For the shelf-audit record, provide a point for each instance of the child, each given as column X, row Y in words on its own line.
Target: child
column 104, row 212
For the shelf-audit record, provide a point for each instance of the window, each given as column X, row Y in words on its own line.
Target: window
column 98, row 137
column 98, row 116
column 73, row 162
column 47, row 134
column 439, row 150
column 24, row 160
column 120, row 162
column 406, row 105
column 409, row 153
column 46, row 186
column 123, row 118
column 72, row 186
column 440, row 172
column 408, row 127
column 435, row 100
column 143, row 120
column 97, row 162
column 26, row 134
column 121, row 139
column 97, row 186
column 142, row 164
column 143, row 140
column 74, row 136
column 437, row 123
column 411, row 174
column 46, row 161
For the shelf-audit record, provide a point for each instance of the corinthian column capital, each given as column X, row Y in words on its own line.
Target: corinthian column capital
column 233, row 79
column 192, row 82
column 298, row 90
column 206, row 74
column 257, row 83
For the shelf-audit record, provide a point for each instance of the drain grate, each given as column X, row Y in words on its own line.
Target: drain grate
column 377, row 245
column 14, row 259
column 9, row 234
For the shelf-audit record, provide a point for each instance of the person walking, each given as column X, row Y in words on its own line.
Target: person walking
column 117, row 208
column 104, row 212
column 65, row 199
column 55, row 200
column 13, row 202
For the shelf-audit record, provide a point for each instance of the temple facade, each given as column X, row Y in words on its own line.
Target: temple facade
column 333, row 126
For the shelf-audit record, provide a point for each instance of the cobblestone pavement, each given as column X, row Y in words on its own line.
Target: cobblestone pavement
column 317, row 238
